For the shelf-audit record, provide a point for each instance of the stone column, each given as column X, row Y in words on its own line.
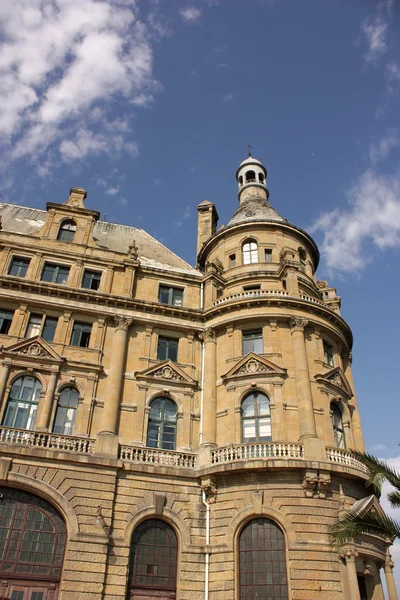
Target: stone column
column 313, row 448
column 107, row 441
column 46, row 404
column 350, row 557
column 390, row 582
column 4, row 378
column 210, row 388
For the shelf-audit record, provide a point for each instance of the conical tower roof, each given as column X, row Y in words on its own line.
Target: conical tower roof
column 253, row 209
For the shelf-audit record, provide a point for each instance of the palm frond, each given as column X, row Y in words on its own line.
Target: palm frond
column 379, row 470
column 394, row 498
column 351, row 525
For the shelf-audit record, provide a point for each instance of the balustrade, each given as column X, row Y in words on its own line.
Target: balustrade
column 156, row 456
column 256, row 450
column 46, row 440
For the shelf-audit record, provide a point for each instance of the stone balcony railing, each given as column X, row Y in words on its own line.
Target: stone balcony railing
column 236, row 452
column 267, row 293
column 158, row 457
column 344, row 457
column 47, row 440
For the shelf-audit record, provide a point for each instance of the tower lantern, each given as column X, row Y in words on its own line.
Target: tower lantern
column 251, row 176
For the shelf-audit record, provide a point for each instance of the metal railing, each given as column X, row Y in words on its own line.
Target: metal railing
column 51, row 441
column 156, row 456
column 254, row 451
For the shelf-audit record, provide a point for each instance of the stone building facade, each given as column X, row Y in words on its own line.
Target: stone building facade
column 176, row 432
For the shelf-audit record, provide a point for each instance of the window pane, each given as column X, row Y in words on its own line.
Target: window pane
column 49, row 273
column 264, row 426
column 91, row 280
column 62, row 275
column 167, row 349
column 5, row 321
column 249, row 430
column 49, row 329
column 268, row 256
column 253, row 341
column 19, row 267
column 34, row 325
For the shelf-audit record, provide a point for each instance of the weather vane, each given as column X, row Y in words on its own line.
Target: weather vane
column 249, row 147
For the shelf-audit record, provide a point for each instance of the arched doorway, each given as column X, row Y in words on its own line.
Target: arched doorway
column 32, row 546
column 153, row 561
column 262, row 561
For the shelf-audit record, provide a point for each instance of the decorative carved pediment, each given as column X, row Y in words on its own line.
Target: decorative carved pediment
column 34, row 347
column 253, row 364
column 168, row 372
column 336, row 380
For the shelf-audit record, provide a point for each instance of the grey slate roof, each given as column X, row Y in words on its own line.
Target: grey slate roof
column 109, row 236
column 254, row 209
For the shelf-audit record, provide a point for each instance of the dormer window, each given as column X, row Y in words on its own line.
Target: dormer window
column 250, row 176
column 250, row 252
column 67, row 230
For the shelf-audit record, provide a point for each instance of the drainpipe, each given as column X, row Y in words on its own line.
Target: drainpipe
column 207, row 554
column 202, row 368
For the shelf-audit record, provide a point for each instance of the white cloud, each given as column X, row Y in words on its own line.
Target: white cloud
column 228, row 97
column 122, row 201
column 190, row 14
column 112, row 191
column 372, row 217
column 379, row 151
column 375, row 31
column 62, row 64
column 184, row 217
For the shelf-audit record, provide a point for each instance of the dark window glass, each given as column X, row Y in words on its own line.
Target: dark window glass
column 6, row 317
column 170, row 295
column 338, row 429
column 22, row 403
column 251, row 288
column 32, row 537
column 262, row 562
column 268, row 255
column 250, row 176
column 153, row 558
column 67, row 230
column 328, row 354
column 167, row 349
column 162, row 424
column 261, row 178
column 55, row 273
column 49, row 329
column 232, row 261
column 66, row 411
column 253, row 341
column 91, row 280
column 256, row 418
column 19, row 267
column 81, row 334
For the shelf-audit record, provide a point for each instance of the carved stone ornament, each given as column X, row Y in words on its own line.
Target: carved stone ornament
column 218, row 264
column 210, row 334
column 167, row 373
column 122, row 322
column 253, row 366
column 315, row 485
column 298, row 323
column 210, row 487
column 133, row 250
column 349, row 554
column 35, row 349
column 322, row 284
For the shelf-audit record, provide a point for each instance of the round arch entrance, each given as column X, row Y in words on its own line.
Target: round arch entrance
column 32, row 546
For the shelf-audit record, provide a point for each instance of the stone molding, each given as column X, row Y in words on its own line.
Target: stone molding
column 297, row 324
column 122, row 322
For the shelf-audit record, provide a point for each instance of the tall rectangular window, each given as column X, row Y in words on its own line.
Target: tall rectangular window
column 252, row 341
column 55, row 273
column 268, row 255
column 43, row 326
column 91, row 280
column 232, row 261
column 19, row 266
column 34, row 326
column 6, row 317
column 167, row 349
column 170, row 295
column 328, row 354
column 81, row 334
column 49, row 329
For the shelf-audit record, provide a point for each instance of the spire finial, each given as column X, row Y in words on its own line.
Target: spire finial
column 249, row 147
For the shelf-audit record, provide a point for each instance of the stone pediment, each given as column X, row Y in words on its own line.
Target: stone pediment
column 366, row 505
column 168, row 372
column 34, row 347
column 254, row 364
column 337, row 380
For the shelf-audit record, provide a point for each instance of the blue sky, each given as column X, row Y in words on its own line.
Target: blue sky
column 148, row 105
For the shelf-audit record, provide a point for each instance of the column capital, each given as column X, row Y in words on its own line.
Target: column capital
column 389, row 564
column 349, row 554
column 210, row 335
column 297, row 324
column 122, row 322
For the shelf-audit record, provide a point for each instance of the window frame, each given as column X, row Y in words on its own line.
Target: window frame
column 329, row 353
column 4, row 320
column 61, row 406
column 268, row 255
column 57, row 267
column 65, row 229
column 339, row 434
column 248, row 335
column 171, row 342
column 43, row 322
column 232, row 261
column 250, row 252
column 31, row 403
column 257, row 417
column 91, row 272
column 160, row 425
column 74, row 332
column 22, row 259
column 170, row 291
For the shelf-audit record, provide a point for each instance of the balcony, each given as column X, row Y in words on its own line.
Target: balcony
column 157, row 457
column 245, row 452
column 251, row 295
column 47, row 441
column 344, row 457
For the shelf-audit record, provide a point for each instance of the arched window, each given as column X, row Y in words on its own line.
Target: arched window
column 256, row 418
column 33, row 538
column 250, row 176
column 66, row 411
column 161, row 432
column 337, row 423
column 261, row 177
column 250, row 252
column 262, row 561
column 241, row 180
column 22, row 403
column 152, row 564
column 67, row 230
